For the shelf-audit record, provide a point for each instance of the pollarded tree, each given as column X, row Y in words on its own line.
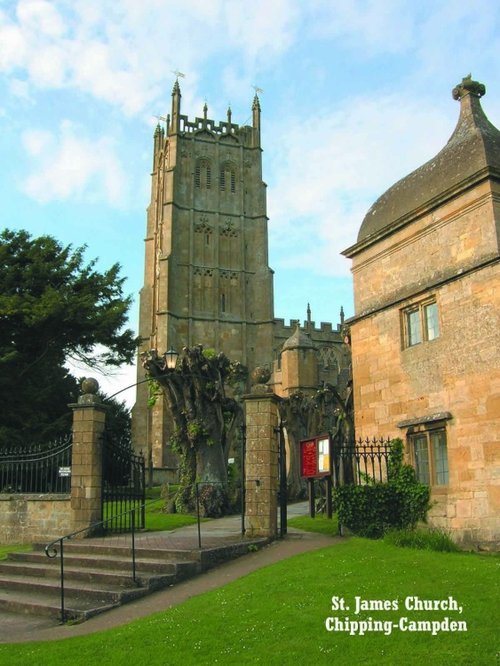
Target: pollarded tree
column 53, row 307
column 326, row 411
column 204, row 417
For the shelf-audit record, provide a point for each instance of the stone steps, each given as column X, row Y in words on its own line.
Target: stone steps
column 96, row 578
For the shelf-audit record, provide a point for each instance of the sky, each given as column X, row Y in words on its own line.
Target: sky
column 355, row 95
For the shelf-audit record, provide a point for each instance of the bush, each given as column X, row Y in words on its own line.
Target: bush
column 371, row 510
column 423, row 539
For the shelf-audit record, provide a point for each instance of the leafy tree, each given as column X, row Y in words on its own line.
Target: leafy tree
column 53, row 307
column 204, row 418
column 118, row 420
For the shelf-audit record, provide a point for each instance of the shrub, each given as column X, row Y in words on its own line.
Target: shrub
column 372, row 509
column 423, row 539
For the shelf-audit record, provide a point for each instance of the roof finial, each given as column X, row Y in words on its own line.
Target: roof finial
column 205, row 110
column 256, row 102
column 308, row 313
column 468, row 87
column 229, row 113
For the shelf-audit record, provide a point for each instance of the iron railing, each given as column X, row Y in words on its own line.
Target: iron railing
column 37, row 469
column 123, row 484
column 56, row 547
column 361, row 462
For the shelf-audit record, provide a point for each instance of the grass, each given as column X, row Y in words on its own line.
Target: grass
column 276, row 616
column 422, row 539
column 5, row 550
column 156, row 520
column 320, row 524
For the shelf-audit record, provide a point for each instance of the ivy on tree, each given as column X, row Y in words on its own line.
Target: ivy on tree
column 54, row 307
column 204, row 419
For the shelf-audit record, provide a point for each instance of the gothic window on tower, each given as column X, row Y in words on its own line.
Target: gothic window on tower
column 202, row 174
column 227, row 179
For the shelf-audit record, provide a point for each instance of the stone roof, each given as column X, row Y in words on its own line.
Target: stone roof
column 298, row 339
column 472, row 152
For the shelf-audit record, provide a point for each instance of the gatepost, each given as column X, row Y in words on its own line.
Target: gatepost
column 89, row 417
column 261, row 460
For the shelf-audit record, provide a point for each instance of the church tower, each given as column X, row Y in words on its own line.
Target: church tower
column 207, row 279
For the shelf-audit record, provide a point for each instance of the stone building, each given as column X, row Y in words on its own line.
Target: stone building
column 207, row 279
column 426, row 330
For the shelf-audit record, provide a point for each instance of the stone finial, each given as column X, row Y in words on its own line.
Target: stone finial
column 468, row 87
column 89, row 387
column 176, row 90
column 260, row 376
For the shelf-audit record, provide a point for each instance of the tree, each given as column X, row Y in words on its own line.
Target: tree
column 204, row 417
column 324, row 412
column 53, row 307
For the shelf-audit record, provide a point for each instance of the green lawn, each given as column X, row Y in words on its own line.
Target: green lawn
column 5, row 550
column 320, row 524
column 277, row 616
column 156, row 519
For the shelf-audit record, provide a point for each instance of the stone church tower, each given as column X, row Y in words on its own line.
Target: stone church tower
column 207, row 278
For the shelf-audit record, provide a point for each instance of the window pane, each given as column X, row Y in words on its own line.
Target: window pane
column 439, row 451
column 413, row 327
column 421, row 458
column 431, row 321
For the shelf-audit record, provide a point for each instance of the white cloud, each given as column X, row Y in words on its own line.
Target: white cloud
column 381, row 27
column 328, row 176
column 68, row 165
column 41, row 17
column 124, row 53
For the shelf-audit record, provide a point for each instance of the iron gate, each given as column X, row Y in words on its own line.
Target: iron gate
column 123, row 487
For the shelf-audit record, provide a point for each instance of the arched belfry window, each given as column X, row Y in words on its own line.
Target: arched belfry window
column 227, row 178
column 202, row 174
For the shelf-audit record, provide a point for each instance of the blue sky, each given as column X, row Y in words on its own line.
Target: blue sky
column 357, row 93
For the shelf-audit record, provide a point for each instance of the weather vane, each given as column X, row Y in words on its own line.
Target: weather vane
column 178, row 74
column 257, row 89
column 162, row 118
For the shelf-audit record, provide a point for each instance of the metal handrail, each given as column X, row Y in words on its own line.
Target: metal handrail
column 52, row 551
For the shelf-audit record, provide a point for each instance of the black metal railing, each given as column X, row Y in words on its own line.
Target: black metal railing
column 56, row 547
column 37, row 468
column 123, row 484
column 361, row 462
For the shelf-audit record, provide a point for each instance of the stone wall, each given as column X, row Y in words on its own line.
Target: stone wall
column 30, row 518
column 450, row 256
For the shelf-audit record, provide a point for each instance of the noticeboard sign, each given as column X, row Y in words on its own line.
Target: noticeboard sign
column 64, row 471
column 315, row 457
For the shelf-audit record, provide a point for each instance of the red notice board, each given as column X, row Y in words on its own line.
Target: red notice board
column 315, row 457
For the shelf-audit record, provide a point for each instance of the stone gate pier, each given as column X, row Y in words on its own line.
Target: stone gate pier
column 261, row 462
